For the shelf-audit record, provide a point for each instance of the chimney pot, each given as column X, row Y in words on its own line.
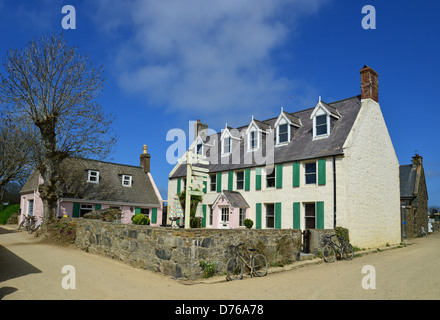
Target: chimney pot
column 145, row 160
column 369, row 84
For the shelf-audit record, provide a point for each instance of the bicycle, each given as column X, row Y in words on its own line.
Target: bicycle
column 331, row 248
column 234, row 267
column 34, row 226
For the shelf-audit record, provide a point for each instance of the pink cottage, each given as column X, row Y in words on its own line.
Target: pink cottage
column 92, row 185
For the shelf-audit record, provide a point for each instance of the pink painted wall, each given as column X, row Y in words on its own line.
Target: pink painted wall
column 234, row 215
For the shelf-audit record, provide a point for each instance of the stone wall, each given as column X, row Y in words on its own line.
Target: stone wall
column 178, row 252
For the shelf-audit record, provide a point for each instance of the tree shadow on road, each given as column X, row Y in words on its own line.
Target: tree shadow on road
column 12, row 266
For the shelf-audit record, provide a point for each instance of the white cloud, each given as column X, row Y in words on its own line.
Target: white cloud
column 207, row 59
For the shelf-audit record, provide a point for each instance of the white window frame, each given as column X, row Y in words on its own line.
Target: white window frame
column 93, row 174
column 282, row 121
column 30, row 209
column 325, row 135
column 127, row 178
column 256, row 139
column 227, row 136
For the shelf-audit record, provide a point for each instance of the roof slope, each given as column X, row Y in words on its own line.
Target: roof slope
column 301, row 147
column 109, row 188
column 408, row 175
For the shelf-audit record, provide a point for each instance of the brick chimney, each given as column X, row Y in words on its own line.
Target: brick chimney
column 369, row 84
column 199, row 128
column 145, row 160
column 417, row 160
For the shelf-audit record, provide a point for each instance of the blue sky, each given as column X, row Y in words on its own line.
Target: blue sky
column 170, row 62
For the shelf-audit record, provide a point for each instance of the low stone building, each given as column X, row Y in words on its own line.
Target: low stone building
column 413, row 198
column 90, row 185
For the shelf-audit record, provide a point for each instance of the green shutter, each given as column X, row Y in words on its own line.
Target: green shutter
column 321, row 172
column 258, row 216
column 154, row 215
column 258, row 179
column 320, row 215
column 295, row 176
column 278, row 215
column 279, row 176
column 178, row 185
column 205, row 184
column 230, row 180
column 97, row 207
column 219, row 182
column 296, row 215
column 137, row 210
column 76, row 209
column 204, row 216
column 247, row 180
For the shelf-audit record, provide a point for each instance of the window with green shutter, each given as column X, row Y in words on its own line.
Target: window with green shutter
column 76, row 210
column 279, row 176
column 97, row 207
column 296, row 215
column 295, row 176
column 247, row 180
column 154, row 215
column 258, row 216
column 321, row 172
column 258, row 179
column 137, row 210
column 320, row 215
column 230, row 180
column 278, row 215
column 219, row 182
column 178, row 185
column 204, row 216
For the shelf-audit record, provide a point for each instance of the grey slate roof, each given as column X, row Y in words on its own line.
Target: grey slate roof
column 301, row 147
column 110, row 186
column 407, row 180
column 235, row 198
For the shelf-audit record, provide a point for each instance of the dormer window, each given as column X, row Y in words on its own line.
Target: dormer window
column 93, row 176
column 284, row 125
column 283, row 132
column 321, row 119
column 226, row 145
column 127, row 180
column 253, row 140
column 321, row 125
column 199, row 146
column 254, row 133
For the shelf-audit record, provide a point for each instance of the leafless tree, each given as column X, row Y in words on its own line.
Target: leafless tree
column 53, row 87
column 15, row 155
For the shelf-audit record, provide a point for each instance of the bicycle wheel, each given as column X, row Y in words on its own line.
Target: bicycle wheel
column 21, row 224
column 31, row 227
column 234, row 269
column 328, row 253
column 347, row 251
column 259, row 265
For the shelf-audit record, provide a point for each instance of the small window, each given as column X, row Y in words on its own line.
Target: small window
column 145, row 212
column 321, row 125
column 85, row 208
column 253, row 140
column 30, row 208
column 310, row 216
column 311, row 173
column 126, row 180
column 242, row 217
column 93, row 176
column 283, row 133
column 213, row 182
column 240, row 180
column 270, row 215
column 270, row 179
column 226, row 145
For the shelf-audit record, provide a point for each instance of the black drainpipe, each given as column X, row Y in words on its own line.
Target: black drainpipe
column 334, row 192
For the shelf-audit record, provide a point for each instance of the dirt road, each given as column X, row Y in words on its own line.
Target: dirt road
column 33, row 270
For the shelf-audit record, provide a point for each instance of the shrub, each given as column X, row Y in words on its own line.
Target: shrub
column 209, row 268
column 140, row 219
column 248, row 223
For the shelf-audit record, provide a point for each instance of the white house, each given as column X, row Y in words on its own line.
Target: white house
column 331, row 165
